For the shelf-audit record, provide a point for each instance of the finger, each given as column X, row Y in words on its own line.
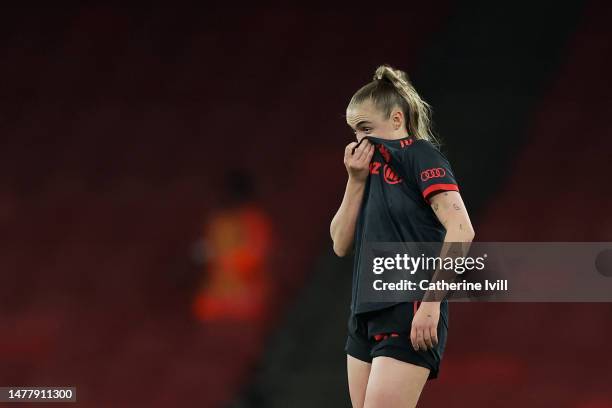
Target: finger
column 427, row 338
column 434, row 335
column 421, row 340
column 370, row 154
column 366, row 158
column 366, row 150
column 365, row 144
column 359, row 152
column 348, row 150
column 413, row 338
column 359, row 144
column 350, row 146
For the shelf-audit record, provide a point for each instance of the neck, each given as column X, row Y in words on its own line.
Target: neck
column 400, row 134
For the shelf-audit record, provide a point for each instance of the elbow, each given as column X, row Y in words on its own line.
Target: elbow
column 470, row 234
column 340, row 251
column 462, row 233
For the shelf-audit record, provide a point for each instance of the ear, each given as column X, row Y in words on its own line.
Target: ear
column 397, row 119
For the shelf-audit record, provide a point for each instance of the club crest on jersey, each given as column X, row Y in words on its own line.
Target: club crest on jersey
column 390, row 176
column 388, row 173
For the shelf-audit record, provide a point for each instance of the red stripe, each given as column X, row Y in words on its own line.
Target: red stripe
column 436, row 187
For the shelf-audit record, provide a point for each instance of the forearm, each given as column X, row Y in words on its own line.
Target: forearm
column 457, row 241
column 342, row 228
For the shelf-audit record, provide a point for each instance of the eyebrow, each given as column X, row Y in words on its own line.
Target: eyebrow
column 363, row 122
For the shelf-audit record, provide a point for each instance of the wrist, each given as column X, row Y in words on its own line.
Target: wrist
column 430, row 303
column 358, row 182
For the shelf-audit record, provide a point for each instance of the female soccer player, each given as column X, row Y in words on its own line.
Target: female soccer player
column 400, row 189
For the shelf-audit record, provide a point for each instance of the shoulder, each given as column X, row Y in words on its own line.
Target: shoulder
column 420, row 149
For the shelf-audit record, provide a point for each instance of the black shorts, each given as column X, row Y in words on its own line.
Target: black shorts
column 386, row 332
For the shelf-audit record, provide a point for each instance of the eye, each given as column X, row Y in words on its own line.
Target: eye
column 367, row 129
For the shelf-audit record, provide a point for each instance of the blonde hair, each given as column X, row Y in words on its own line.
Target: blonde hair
column 391, row 88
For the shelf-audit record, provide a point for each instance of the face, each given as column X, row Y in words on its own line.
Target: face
column 366, row 120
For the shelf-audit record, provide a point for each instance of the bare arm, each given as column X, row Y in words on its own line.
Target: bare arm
column 342, row 228
column 450, row 210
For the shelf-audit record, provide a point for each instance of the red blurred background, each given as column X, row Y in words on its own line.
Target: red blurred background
column 120, row 129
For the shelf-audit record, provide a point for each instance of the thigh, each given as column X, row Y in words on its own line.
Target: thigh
column 358, row 373
column 393, row 383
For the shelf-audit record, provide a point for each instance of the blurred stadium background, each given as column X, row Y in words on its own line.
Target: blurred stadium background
column 121, row 130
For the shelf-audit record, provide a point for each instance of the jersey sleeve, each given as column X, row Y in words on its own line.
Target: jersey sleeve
column 431, row 170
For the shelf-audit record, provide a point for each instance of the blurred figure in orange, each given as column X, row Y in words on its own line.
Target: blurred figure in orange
column 236, row 243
